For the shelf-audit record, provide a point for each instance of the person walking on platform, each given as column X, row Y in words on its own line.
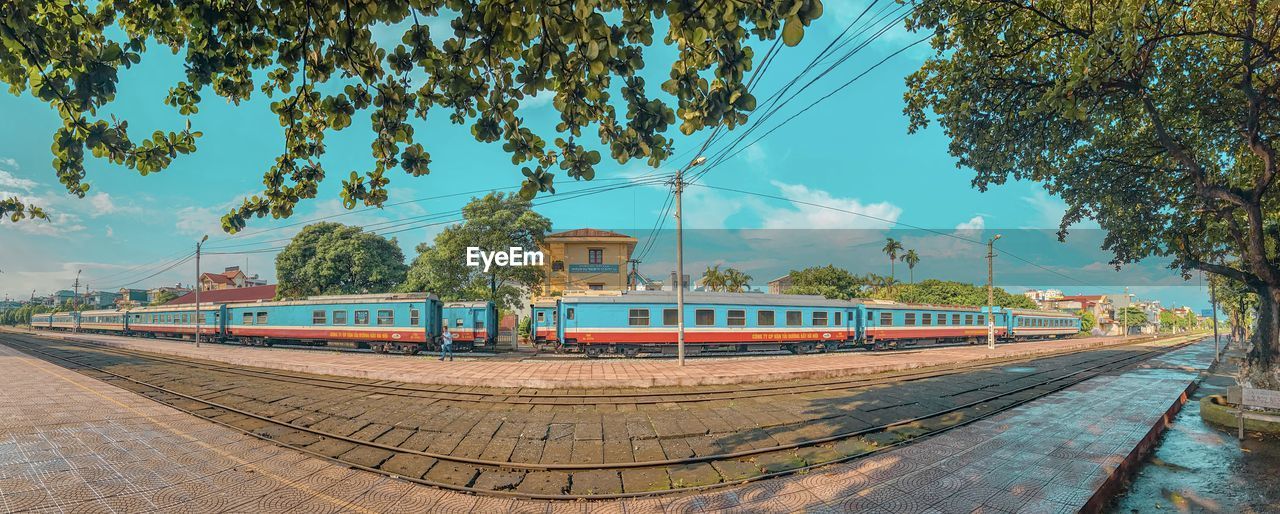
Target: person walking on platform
column 446, row 344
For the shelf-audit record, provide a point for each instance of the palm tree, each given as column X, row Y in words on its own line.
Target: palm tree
column 891, row 248
column 911, row 258
column 736, row 281
column 713, row 279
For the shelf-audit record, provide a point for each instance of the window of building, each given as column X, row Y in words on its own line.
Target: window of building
column 704, row 317
column 415, row 316
column 886, row 319
column 362, row 317
column 819, row 318
column 568, row 313
column 670, row 318
column 926, row 319
column 262, row 319
column 319, row 317
column 595, row 256
column 339, row 317
column 557, row 266
column 737, row 318
column 386, row 317
column 909, row 319
column 795, row 318
column 595, row 287
column 638, row 317
column 838, row 321
column 764, row 318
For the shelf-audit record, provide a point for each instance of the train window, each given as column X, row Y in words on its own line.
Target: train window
column 819, row 318
column 704, row 317
column 942, row 319
column 568, row 313
column 926, row 319
column 909, row 319
column 248, row 318
column 458, row 323
column 955, row 319
column 362, row 317
column 386, row 317
column 542, row 317
column 638, row 317
column 982, row 319
column 670, row 318
column 764, row 318
column 886, row 319
column 794, row 318
column 339, row 317
column 186, row 318
column 319, row 317
column 262, row 319
column 414, row 316
column 737, row 318
column 480, row 324
column 202, row 318
column 838, row 320
column 869, row 318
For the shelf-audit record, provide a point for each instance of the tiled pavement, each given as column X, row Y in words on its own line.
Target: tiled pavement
column 69, row 443
column 584, row 373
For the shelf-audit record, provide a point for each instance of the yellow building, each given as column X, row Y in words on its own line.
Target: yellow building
column 586, row 258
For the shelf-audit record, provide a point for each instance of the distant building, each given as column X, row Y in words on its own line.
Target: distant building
column 587, row 259
column 131, row 298
column 60, row 298
column 780, row 285
column 231, row 277
column 6, row 305
column 236, row 294
column 101, row 299
column 176, row 290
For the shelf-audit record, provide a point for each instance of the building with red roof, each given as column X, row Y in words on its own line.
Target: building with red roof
column 238, row 294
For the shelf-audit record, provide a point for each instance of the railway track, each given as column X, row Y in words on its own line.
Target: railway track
column 559, row 397
column 212, row 394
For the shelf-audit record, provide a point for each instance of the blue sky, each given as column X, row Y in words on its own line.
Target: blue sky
column 851, row 152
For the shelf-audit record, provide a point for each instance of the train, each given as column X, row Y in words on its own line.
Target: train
column 636, row 322
column 406, row 323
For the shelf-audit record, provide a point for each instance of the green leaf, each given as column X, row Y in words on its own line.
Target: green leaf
column 792, row 31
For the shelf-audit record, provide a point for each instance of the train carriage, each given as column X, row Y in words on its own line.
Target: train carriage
column 543, row 325
column 891, row 324
column 637, row 322
column 65, row 321
column 177, row 321
column 42, row 321
column 474, row 325
column 1026, row 324
column 103, row 321
column 403, row 323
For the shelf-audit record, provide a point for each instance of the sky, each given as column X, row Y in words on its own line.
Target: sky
column 851, row 152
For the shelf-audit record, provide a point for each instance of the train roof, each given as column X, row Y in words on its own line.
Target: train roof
column 1037, row 312
column 888, row 304
column 331, row 299
column 470, row 304
column 633, row 297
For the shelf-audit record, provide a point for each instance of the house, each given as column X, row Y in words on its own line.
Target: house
column 101, row 299
column 131, row 298
column 230, row 278
column 235, row 294
column 780, row 285
column 176, row 290
column 587, row 259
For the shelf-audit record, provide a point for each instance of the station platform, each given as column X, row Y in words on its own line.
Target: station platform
column 582, row 373
column 70, row 443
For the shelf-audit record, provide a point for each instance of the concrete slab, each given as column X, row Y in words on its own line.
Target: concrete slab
column 591, row 373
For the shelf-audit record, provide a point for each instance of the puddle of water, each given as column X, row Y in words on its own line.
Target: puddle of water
column 1020, row 369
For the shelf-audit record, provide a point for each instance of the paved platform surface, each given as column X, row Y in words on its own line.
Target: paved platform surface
column 594, row 373
column 69, row 443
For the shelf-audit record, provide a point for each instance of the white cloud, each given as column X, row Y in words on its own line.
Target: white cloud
column 9, row 180
column 1048, row 210
column 10, row 163
column 808, row 215
column 103, row 204
column 110, row 231
column 975, row 223
column 756, row 157
column 537, row 100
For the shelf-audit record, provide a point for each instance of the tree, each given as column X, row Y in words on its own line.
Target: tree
column 911, row 258
column 945, row 292
column 322, row 58
column 1131, row 317
column 496, row 221
column 832, row 282
column 1156, row 119
column 332, row 258
column 1169, row 321
column 713, row 279
column 891, row 248
column 1087, row 321
column 163, row 297
column 735, row 281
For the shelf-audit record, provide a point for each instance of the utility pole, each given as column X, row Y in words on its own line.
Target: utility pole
column 1213, row 301
column 75, row 300
column 202, row 240
column 991, row 293
column 679, row 191
column 632, row 285
column 1125, row 315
